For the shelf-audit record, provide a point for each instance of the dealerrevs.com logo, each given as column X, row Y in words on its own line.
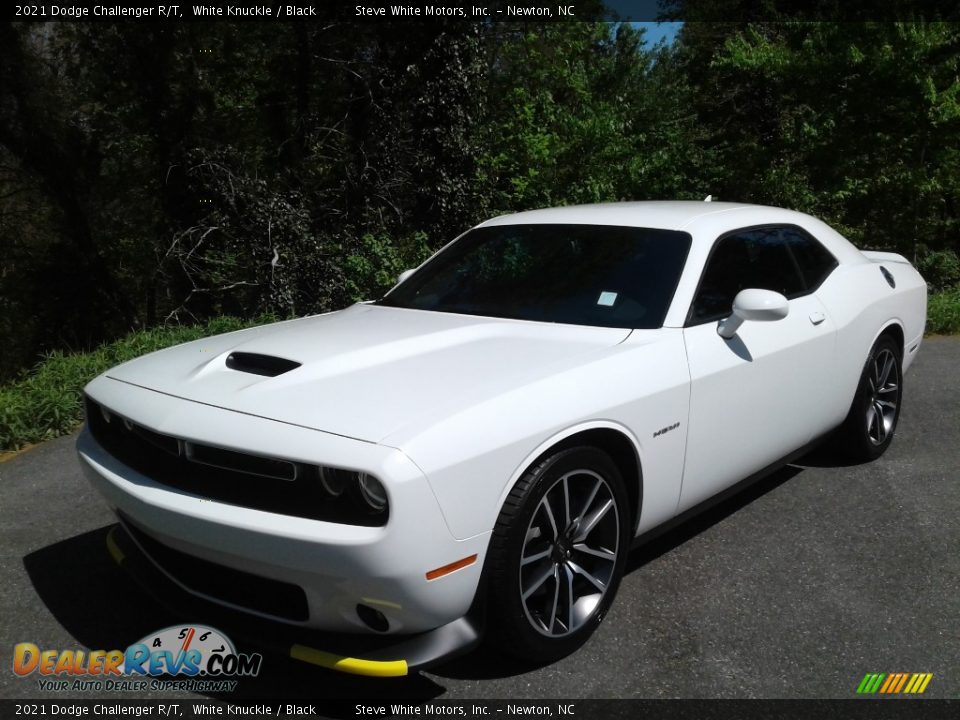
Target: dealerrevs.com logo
column 191, row 657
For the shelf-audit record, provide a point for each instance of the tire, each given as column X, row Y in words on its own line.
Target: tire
column 868, row 430
column 535, row 569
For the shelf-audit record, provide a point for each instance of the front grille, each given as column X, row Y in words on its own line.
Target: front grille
column 253, row 592
column 240, row 462
column 164, row 442
column 251, row 481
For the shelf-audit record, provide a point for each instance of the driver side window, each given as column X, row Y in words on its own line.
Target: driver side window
column 757, row 258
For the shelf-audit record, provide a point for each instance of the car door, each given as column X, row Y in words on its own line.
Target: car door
column 755, row 397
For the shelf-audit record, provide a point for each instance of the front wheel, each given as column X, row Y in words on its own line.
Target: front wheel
column 557, row 554
column 868, row 430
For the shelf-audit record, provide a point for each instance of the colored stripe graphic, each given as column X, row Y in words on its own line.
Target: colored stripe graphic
column 894, row 683
column 870, row 683
column 919, row 681
column 890, row 683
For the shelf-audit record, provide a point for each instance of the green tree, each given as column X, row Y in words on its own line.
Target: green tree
column 855, row 122
column 583, row 113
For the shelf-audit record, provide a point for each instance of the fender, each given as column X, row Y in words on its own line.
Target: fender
column 569, row 432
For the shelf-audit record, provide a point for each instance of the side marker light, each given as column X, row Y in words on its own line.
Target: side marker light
column 452, row 567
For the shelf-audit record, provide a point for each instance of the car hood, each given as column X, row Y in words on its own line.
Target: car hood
column 368, row 370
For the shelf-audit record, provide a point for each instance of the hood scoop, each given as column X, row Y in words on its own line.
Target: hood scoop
column 257, row 364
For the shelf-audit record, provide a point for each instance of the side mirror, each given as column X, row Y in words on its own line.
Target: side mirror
column 753, row 304
column 404, row 275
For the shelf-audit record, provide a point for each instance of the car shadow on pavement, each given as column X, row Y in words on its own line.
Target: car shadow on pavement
column 828, row 454
column 103, row 608
column 674, row 537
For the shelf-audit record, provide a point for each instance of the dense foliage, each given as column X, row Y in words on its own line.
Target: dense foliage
column 167, row 174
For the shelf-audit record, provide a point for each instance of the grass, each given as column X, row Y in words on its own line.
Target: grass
column 943, row 312
column 46, row 402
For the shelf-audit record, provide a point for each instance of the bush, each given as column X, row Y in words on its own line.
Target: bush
column 940, row 268
column 943, row 312
column 376, row 262
column 47, row 401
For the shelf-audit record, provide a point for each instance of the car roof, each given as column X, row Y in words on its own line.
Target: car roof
column 666, row 215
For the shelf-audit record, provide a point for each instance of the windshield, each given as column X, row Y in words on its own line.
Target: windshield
column 602, row 275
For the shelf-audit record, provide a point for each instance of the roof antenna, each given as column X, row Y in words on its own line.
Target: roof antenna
column 708, row 198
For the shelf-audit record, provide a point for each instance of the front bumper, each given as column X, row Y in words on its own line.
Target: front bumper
column 370, row 655
column 336, row 567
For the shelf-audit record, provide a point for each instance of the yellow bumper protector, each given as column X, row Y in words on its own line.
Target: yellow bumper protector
column 115, row 552
column 354, row 666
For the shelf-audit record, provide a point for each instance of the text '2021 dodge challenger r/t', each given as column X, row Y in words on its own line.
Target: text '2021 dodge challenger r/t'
column 481, row 447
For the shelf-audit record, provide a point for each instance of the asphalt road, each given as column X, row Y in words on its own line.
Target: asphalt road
column 794, row 589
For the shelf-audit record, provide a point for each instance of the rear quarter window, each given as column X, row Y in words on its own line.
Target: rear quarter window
column 784, row 259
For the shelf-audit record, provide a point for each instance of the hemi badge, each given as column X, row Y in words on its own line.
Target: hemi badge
column 667, row 429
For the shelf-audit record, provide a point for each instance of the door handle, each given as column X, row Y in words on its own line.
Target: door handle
column 817, row 317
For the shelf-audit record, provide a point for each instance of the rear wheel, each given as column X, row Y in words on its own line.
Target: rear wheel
column 868, row 430
column 557, row 554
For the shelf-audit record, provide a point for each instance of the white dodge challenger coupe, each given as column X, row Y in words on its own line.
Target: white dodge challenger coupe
column 481, row 447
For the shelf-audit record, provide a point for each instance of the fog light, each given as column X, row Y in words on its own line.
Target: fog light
column 373, row 619
column 372, row 492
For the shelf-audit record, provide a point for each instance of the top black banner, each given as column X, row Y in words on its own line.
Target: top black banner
column 490, row 11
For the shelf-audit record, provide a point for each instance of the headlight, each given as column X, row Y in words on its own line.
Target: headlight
column 334, row 481
column 372, row 492
column 364, row 491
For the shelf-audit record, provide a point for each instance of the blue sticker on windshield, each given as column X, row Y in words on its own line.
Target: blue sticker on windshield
column 607, row 298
